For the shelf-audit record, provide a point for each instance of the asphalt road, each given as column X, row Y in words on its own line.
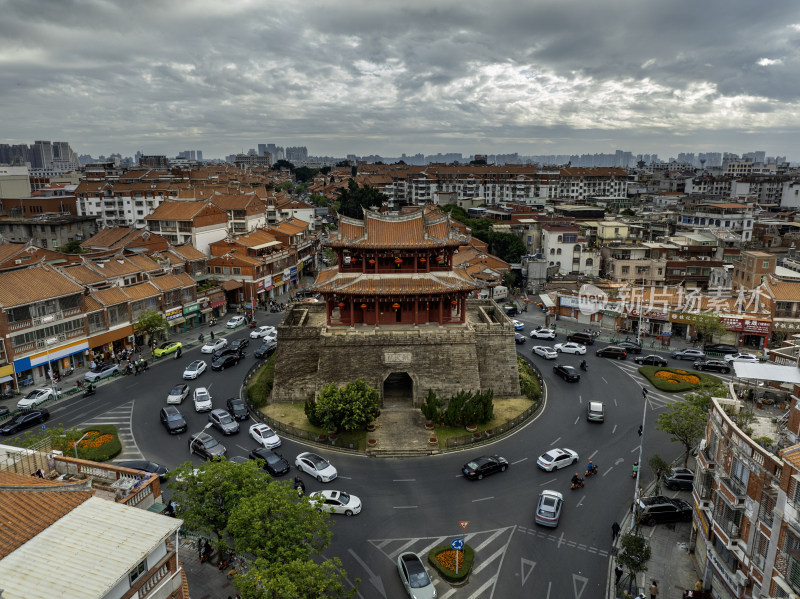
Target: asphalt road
column 415, row 504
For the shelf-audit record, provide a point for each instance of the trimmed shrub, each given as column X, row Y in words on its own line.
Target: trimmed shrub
column 528, row 382
column 443, row 565
column 310, row 408
column 431, row 407
column 260, row 387
column 675, row 380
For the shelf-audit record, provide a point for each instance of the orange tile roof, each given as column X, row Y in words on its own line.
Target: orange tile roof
column 111, row 296
column 187, row 252
column 141, row 291
column 114, row 267
column 92, row 305
column 167, row 282
column 417, row 284
column 9, row 249
column 34, row 284
column 83, row 274
column 28, row 505
column 177, row 210
column 784, row 291
column 107, row 238
column 384, row 231
column 144, row 263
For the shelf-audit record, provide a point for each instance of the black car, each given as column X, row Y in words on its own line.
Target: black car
column 716, row 365
column 720, row 348
column 484, row 466
column 658, row 509
column 172, row 420
column 630, row 347
column 236, row 408
column 274, row 463
column 226, row 361
column 225, row 351
column 145, row 466
column 24, row 420
column 568, row 373
column 582, row 338
column 679, row 478
column 4, row 410
column 612, row 351
column 511, row 310
column 266, row 348
column 239, row 345
column 519, row 338
column 651, row 360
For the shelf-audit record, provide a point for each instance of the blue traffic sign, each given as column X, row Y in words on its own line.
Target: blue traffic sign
column 457, row 544
column 44, row 428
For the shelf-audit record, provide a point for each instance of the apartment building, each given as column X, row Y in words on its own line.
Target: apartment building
column 48, row 230
column 246, row 212
column 733, row 217
column 196, row 223
column 632, row 264
column 583, row 183
column 567, row 249
column 751, row 268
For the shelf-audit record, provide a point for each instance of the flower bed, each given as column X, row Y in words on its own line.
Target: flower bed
column 676, row 380
column 443, row 559
column 100, row 445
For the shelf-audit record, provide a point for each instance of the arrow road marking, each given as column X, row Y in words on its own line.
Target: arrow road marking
column 531, row 565
column 375, row 580
column 583, row 580
column 619, row 461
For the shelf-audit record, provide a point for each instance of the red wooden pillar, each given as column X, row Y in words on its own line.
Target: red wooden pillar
column 352, row 312
column 416, row 311
column 363, row 263
column 441, row 310
column 377, row 313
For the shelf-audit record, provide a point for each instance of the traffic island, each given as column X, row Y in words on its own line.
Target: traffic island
column 676, row 380
column 445, row 560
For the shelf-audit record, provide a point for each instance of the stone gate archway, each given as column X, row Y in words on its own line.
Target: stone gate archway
column 398, row 390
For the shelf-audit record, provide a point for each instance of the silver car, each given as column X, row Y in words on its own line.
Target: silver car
column 595, row 411
column 548, row 510
column 415, row 577
column 223, row 422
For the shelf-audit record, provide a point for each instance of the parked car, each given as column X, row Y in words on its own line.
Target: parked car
column 35, row 397
column 202, row 400
column 556, row 459
column 688, row 354
column 651, row 360
column 679, row 478
column 548, row 353
column 240, row 345
column 266, row 348
column 316, row 466
column 236, row 408
column 194, row 369
column 739, row 357
column 414, row 576
column 518, row 325
column 658, row 509
column 336, row 502
column 581, row 337
column 568, row 373
column 548, row 509
column 206, row 446
column 720, row 348
column 484, row 466
column 225, row 361
column 265, row 436
column 235, row 321
column 630, row 347
column 144, row 466
column 265, row 331
column 596, row 411
column 223, row 422
column 570, row 348
column 172, row 420
column 101, row 372
column 274, row 463
column 715, row 365
column 24, row 420
column 214, row 345
column 167, row 348
column 510, row 311
column 612, row 351
column 178, row 393
column 543, row 334
column 519, row 338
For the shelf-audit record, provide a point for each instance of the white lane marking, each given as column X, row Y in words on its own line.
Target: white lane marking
column 556, row 441
column 549, row 584
column 593, row 454
column 491, row 538
column 576, row 420
column 615, row 402
column 405, row 507
column 560, row 541
column 482, row 499
column 547, row 482
column 488, row 561
column 604, row 380
column 614, row 430
column 581, row 501
column 375, row 580
column 404, row 480
column 402, row 548
column 607, row 471
column 635, row 449
column 518, row 461
column 580, row 399
column 345, row 477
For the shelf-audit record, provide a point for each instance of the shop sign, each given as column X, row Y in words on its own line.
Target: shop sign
column 293, row 273
column 260, row 285
column 689, row 317
column 698, row 518
column 218, row 303
column 267, row 282
column 568, row 301
column 720, row 569
column 287, row 274
column 191, row 308
column 277, row 280
column 786, row 325
column 650, row 314
column 204, row 303
column 747, row 325
column 173, row 314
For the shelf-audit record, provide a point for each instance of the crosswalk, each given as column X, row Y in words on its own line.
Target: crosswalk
column 121, row 417
column 657, row 399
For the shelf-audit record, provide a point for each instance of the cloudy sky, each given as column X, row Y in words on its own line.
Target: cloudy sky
column 374, row 76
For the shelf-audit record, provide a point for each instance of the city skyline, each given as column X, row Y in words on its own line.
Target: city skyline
column 366, row 78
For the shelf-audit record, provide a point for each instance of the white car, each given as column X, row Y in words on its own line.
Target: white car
column 214, row 345
column 741, row 358
column 336, row 502
column 265, row 436
column 34, row 398
column 235, row 321
column 316, row 466
column 543, row 334
column 265, row 331
column 178, row 393
column 194, row 369
column 557, row 458
column 548, row 353
column 570, row 348
column 202, row 400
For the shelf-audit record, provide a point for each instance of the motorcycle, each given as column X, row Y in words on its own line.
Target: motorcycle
column 577, row 485
column 635, row 471
column 90, row 390
column 584, row 366
column 253, row 324
column 592, row 471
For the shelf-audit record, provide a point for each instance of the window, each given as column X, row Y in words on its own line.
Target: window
column 558, row 251
column 552, row 251
column 589, row 262
column 765, row 264
column 626, row 270
column 560, row 238
column 96, row 321
column 217, row 270
column 577, row 248
column 137, row 571
column 237, row 270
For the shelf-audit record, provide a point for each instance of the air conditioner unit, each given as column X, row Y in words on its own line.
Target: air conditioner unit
column 683, row 273
column 17, row 261
column 741, row 578
column 734, row 531
column 131, row 338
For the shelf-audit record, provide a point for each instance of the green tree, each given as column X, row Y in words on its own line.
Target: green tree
column 686, row 422
column 286, row 186
column 701, row 397
column 509, row 279
column 659, row 467
column 353, row 199
column 150, row 323
column 207, row 497
column 319, row 200
column 282, row 164
column 628, row 212
column 506, row 246
column 708, row 325
column 348, row 408
column 72, row 247
column 634, row 555
column 305, row 173
column 297, row 579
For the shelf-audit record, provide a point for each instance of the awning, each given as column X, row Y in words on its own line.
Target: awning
column 231, row 285
column 176, row 321
column 5, row 379
column 206, row 310
column 766, row 371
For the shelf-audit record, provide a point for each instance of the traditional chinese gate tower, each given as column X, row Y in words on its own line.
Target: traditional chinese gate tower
column 395, row 309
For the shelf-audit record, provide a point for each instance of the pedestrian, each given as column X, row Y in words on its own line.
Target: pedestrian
column 199, row 548
column 212, row 335
column 92, row 365
column 653, row 590
column 614, row 531
column 618, row 571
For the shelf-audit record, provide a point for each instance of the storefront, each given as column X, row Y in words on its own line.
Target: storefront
column 217, row 303
column 751, row 332
column 108, row 344
column 33, row 368
column 784, row 328
column 7, row 378
column 277, row 284
column 204, row 304
column 191, row 314
column 569, row 308
column 175, row 319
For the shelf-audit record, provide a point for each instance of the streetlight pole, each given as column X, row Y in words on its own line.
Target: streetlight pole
column 75, row 447
column 641, row 446
column 50, row 370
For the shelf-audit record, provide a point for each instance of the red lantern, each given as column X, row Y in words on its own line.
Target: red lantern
column 341, row 304
column 396, row 306
column 422, row 260
column 398, row 261
column 371, row 261
column 363, row 306
column 440, row 259
column 454, row 303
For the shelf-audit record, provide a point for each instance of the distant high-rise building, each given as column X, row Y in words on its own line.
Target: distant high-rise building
column 42, row 154
column 154, row 161
column 200, row 155
column 297, row 154
column 262, row 149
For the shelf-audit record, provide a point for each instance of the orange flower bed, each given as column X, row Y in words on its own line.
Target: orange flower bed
column 671, row 377
column 447, row 559
column 95, row 439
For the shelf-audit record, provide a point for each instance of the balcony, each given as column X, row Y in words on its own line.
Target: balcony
column 736, row 490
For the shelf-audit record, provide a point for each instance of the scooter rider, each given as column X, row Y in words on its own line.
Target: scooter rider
column 576, row 480
column 584, row 365
column 591, row 468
